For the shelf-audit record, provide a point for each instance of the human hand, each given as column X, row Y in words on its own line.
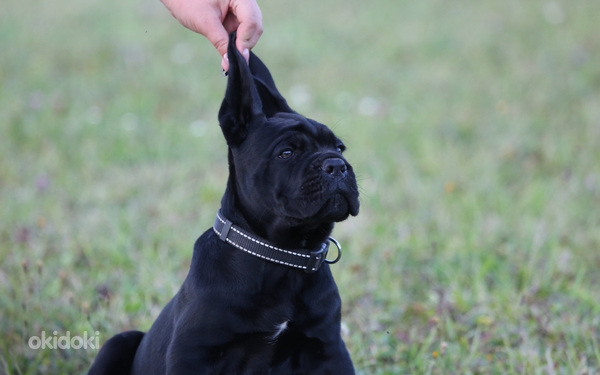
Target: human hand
column 216, row 19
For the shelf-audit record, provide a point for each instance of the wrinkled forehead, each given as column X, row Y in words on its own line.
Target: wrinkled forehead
column 292, row 122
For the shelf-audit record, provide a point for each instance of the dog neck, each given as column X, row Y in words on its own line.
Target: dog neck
column 309, row 261
column 304, row 236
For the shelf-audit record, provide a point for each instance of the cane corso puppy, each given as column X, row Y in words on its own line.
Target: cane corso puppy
column 259, row 297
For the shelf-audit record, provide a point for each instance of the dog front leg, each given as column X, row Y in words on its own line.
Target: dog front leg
column 334, row 360
column 245, row 355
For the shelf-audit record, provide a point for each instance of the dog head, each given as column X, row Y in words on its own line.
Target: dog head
column 287, row 173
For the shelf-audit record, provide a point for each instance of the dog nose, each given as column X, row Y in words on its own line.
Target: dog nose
column 334, row 167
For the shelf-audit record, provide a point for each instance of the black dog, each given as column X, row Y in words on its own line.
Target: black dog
column 247, row 305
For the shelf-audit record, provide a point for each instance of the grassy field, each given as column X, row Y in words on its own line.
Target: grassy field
column 474, row 128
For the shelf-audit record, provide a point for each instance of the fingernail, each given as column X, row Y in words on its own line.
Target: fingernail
column 225, row 64
column 246, row 54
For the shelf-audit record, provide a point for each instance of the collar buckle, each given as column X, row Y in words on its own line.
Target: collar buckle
column 317, row 258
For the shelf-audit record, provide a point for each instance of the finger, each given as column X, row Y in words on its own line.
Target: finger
column 213, row 30
column 250, row 24
column 248, row 35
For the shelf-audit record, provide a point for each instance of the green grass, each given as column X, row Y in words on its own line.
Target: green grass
column 473, row 126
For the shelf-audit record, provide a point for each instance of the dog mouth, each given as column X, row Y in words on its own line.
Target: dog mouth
column 335, row 209
column 325, row 201
column 339, row 207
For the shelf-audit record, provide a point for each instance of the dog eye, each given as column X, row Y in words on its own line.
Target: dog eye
column 285, row 154
column 341, row 148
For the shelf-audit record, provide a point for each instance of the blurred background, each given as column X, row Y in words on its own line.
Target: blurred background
column 473, row 127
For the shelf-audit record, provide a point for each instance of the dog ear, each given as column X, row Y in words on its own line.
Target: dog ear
column 272, row 100
column 242, row 103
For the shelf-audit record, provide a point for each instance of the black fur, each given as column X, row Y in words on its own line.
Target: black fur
column 288, row 183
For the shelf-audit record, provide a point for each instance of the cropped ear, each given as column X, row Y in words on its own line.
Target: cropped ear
column 272, row 100
column 242, row 103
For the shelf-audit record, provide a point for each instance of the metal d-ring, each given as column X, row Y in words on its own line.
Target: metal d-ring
column 339, row 247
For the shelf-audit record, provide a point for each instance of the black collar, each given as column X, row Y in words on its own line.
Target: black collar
column 307, row 261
